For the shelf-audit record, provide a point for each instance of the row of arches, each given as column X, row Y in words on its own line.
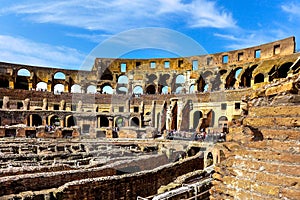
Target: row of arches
column 69, row 121
column 163, row 83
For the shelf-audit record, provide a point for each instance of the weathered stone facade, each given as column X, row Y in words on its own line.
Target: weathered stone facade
column 148, row 95
column 261, row 158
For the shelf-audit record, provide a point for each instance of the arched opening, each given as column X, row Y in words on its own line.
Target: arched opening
column 107, row 89
column 179, row 90
column 232, row 78
column 247, row 76
column 211, row 118
column 104, row 122
column 174, row 116
column 180, row 79
column 222, row 156
column 150, row 89
column 34, row 120
column 59, row 88
column 54, row 120
column 22, row 79
column 165, row 90
column 209, row 159
column 201, row 84
column 60, row 76
column 283, row 70
column 76, row 88
column 119, row 122
column 123, row 79
column 91, row 89
column 122, row 90
column 41, row 86
column 107, row 75
column 162, row 83
column 259, row 78
column 135, row 122
column 196, row 117
column 192, row 89
column 70, row 121
column 223, row 122
column 4, row 83
column 138, row 90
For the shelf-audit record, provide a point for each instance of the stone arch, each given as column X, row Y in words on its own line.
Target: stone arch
column 76, row 88
column 135, row 122
column 59, row 75
column 34, row 120
column 70, row 121
column 162, row 82
column 22, row 80
column 151, row 89
column 209, row 159
column 122, row 90
column 201, row 84
column 232, row 78
column 223, row 122
column 91, row 89
column 179, row 90
column 192, row 89
column 107, row 75
column 245, row 80
column 259, row 78
column 165, row 90
column 283, row 69
column 119, row 121
column 180, row 79
column 211, row 118
column 104, row 122
column 107, row 89
column 123, row 79
column 41, row 86
column 138, row 89
column 4, row 82
column 197, row 115
column 58, row 88
column 54, row 120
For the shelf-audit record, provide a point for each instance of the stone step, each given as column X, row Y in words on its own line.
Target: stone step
column 281, row 134
column 272, row 122
column 274, row 111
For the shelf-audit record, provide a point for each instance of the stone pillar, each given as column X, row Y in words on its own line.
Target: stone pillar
column 30, row 120
column 62, row 122
column 11, row 84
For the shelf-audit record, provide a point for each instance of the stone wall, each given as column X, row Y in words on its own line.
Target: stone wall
column 263, row 154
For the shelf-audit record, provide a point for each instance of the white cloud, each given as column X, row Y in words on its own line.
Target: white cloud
column 291, row 8
column 23, row 51
column 117, row 15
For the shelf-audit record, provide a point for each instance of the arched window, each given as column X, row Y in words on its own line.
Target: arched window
column 259, row 78
column 107, row 89
column 92, row 89
column 180, row 79
column 135, row 122
column 59, row 75
column 192, row 89
column 165, row 90
column 197, row 116
column 58, row 88
column 23, row 72
column 76, row 88
column 123, row 79
column 138, row 90
column 22, row 79
column 150, row 89
column 41, row 86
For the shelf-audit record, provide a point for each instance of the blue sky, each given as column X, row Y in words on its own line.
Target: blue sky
column 59, row 33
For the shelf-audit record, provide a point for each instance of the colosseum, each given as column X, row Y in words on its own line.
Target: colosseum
column 216, row 126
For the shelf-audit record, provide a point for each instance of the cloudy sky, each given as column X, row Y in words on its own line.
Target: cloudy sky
column 60, row 33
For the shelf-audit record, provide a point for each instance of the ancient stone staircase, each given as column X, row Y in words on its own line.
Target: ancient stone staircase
column 263, row 154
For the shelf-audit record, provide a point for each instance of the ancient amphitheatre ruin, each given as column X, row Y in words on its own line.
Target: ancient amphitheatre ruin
column 128, row 128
